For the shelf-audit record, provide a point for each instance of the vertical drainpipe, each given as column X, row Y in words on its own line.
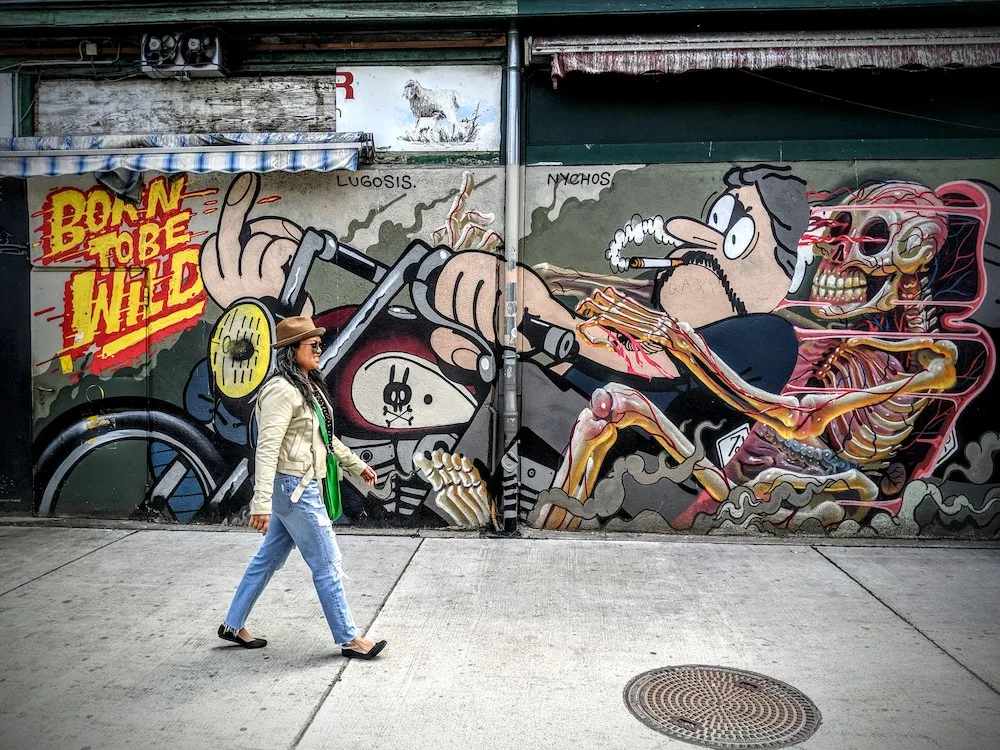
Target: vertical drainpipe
column 510, row 417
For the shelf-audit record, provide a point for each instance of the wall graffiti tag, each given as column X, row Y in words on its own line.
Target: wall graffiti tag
column 147, row 286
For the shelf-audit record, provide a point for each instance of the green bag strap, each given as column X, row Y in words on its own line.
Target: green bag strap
column 331, row 488
column 331, row 460
column 322, row 422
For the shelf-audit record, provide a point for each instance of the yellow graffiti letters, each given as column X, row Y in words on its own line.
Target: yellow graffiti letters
column 175, row 230
column 96, row 300
column 65, row 233
column 185, row 281
column 145, row 282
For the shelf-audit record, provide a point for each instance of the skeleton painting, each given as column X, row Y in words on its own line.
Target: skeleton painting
column 841, row 394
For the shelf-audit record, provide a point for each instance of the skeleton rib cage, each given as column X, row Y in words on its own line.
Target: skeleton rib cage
column 863, row 388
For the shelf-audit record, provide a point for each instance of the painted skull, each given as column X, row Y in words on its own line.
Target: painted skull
column 872, row 244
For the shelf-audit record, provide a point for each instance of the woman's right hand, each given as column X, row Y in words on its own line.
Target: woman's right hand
column 260, row 522
column 369, row 476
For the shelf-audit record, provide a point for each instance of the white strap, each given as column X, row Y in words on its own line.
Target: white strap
column 301, row 486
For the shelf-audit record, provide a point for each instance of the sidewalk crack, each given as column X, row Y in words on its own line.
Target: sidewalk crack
column 336, row 678
column 69, row 562
column 902, row 617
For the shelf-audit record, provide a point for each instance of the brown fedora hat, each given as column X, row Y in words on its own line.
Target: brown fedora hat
column 294, row 329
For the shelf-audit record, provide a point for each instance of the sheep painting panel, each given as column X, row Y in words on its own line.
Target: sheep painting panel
column 442, row 108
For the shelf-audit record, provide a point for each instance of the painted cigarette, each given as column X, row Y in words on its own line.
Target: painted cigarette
column 654, row 262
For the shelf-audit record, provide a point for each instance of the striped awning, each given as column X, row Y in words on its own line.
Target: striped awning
column 211, row 152
column 679, row 53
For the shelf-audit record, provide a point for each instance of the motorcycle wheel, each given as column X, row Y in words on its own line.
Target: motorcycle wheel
column 184, row 466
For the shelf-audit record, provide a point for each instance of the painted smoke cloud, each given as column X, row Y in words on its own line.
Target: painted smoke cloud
column 635, row 232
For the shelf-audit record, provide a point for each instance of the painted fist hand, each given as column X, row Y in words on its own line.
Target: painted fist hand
column 468, row 291
column 247, row 258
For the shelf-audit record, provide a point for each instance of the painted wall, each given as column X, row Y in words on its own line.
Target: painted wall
column 428, row 109
column 817, row 359
column 704, row 348
column 152, row 322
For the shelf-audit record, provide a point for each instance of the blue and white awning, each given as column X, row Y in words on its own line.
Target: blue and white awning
column 211, row 152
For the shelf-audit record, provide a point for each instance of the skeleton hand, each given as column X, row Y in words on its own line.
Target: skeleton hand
column 247, row 258
column 636, row 335
column 465, row 228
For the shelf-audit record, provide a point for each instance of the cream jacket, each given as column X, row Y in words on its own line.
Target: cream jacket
column 289, row 441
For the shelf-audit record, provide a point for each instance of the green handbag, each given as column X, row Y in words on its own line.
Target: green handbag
column 331, row 487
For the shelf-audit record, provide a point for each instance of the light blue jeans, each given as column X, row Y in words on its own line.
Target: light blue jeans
column 305, row 525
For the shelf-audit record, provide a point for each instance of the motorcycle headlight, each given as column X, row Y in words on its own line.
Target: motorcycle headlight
column 239, row 352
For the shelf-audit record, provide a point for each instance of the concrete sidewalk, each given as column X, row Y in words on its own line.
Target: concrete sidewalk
column 109, row 640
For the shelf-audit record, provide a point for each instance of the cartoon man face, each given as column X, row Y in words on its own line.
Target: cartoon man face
column 739, row 258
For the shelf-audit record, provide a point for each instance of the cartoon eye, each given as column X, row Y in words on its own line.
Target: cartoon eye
column 739, row 238
column 721, row 212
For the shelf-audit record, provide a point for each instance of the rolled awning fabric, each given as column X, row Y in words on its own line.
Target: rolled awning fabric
column 204, row 152
column 639, row 54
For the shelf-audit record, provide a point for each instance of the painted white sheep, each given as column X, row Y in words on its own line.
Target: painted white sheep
column 440, row 104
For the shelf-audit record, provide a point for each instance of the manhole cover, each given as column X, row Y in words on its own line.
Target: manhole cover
column 722, row 708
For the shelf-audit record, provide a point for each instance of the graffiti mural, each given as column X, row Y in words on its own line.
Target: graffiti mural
column 703, row 348
column 179, row 290
column 786, row 358
column 777, row 354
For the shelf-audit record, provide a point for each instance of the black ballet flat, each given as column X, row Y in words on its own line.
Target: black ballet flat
column 374, row 651
column 227, row 635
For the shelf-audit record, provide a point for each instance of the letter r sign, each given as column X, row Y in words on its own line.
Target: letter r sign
column 345, row 81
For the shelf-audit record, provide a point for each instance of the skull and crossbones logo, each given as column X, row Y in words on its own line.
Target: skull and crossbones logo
column 397, row 396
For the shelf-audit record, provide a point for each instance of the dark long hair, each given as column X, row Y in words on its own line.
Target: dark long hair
column 286, row 367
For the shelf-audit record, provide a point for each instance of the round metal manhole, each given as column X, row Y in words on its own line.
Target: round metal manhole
column 722, row 708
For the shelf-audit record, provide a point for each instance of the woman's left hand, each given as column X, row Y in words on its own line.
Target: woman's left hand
column 369, row 476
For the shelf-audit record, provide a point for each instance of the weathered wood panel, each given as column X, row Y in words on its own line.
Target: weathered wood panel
column 207, row 105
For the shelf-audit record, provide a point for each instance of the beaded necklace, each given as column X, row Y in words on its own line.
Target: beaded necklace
column 325, row 408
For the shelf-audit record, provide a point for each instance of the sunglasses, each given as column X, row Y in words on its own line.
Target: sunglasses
column 316, row 346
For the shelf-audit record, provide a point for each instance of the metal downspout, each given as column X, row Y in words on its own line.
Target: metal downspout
column 510, row 417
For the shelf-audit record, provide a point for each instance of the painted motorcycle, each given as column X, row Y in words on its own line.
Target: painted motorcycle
column 395, row 402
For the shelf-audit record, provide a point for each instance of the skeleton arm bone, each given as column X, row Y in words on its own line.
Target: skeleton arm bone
column 612, row 409
column 789, row 416
column 610, row 311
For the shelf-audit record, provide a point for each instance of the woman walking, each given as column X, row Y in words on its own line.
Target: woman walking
column 288, row 507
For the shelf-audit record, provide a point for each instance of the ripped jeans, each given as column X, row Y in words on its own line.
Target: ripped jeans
column 306, row 525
